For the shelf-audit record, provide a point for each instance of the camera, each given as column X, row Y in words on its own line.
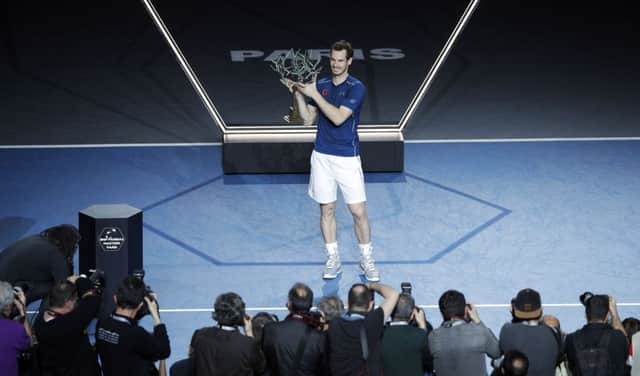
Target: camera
column 405, row 288
column 314, row 319
column 585, row 297
column 97, row 279
column 14, row 314
column 148, row 293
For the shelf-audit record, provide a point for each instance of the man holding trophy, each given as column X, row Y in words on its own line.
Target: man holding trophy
column 335, row 102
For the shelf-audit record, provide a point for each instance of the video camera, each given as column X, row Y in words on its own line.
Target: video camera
column 139, row 273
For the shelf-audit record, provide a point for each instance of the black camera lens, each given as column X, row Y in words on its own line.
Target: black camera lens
column 138, row 273
column 585, row 297
column 405, row 287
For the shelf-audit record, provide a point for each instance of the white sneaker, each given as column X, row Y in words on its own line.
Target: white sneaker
column 368, row 268
column 333, row 267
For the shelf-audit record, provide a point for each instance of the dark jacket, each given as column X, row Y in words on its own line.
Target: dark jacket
column 538, row 342
column 127, row 349
column 64, row 347
column 345, row 345
column 36, row 262
column 222, row 352
column 590, row 334
column 405, row 351
column 280, row 344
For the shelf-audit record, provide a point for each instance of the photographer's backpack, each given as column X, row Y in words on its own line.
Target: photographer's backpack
column 593, row 360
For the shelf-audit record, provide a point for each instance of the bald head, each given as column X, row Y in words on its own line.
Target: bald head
column 300, row 298
column 359, row 298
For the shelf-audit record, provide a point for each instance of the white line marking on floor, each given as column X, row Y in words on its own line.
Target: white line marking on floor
column 434, row 306
column 431, row 306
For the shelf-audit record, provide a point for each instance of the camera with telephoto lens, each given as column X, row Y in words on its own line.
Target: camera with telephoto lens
column 148, row 293
column 405, row 288
column 97, row 280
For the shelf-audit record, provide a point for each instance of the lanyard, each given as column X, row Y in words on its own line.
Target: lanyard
column 121, row 319
column 353, row 316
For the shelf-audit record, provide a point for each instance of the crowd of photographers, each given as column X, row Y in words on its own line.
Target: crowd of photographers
column 392, row 338
column 395, row 338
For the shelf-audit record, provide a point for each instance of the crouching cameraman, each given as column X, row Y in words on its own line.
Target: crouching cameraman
column 15, row 333
column 124, row 347
column 64, row 348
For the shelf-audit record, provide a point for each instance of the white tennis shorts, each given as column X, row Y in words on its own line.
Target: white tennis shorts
column 330, row 171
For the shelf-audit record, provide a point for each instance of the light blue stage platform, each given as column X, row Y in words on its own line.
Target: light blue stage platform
column 485, row 218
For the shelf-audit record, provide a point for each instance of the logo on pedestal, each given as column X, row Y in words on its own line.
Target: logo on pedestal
column 111, row 239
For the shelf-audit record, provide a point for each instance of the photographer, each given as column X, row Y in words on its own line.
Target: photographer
column 528, row 334
column 405, row 348
column 223, row 350
column 124, row 347
column 15, row 336
column 462, row 342
column 297, row 345
column 64, row 346
column 598, row 346
column 359, row 330
column 40, row 260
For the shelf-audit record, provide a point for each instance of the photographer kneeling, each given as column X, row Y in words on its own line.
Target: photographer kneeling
column 124, row 347
column 15, row 333
column 64, row 348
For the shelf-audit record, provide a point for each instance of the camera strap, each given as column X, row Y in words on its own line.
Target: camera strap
column 363, row 343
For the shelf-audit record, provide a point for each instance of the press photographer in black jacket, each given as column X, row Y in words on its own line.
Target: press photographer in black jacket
column 124, row 347
column 64, row 346
column 297, row 345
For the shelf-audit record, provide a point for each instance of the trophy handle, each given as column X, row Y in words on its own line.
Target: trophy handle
column 294, row 113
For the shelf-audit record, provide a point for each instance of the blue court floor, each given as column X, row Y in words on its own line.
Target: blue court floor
column 485, row 218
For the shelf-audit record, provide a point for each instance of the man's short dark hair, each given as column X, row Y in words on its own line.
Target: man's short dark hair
column 331, row 307
column 130, row 293
column 300, row 298
column 452, row 304
column 515, row 363
column 229, row 309
column 343, row 45
column 259, row 321
column 631, row 326
column 359, row 298
column 404, row 308
column 62, row 292
column 597, row 307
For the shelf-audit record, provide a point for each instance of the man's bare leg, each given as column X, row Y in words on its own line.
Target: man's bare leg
column 328, row 222
column 333, row 266
column 361, row 222
column 363, row 233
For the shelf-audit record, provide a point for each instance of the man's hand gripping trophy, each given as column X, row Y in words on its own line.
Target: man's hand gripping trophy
column 296, row 67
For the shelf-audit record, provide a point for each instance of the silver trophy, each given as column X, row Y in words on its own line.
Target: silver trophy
column 296, row 66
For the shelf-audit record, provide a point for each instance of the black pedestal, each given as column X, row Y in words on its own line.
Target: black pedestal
column 112, row 242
